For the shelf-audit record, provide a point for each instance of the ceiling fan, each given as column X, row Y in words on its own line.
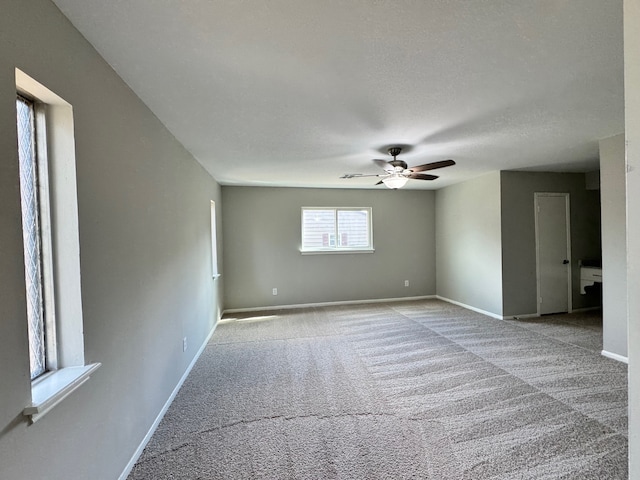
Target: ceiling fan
column 398, row 174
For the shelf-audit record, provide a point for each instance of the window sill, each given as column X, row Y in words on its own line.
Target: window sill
column 50, row 390
column 334, row 252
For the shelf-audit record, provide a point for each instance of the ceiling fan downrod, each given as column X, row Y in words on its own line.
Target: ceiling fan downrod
column 399, row 165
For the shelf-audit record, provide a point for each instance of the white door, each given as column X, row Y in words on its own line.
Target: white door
column 553, row 252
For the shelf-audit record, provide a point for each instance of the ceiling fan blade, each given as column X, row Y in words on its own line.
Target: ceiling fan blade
column 359, row 175
column 432, row 166
column 422, row 176
column 383, row 164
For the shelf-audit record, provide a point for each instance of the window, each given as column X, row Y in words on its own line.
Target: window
column 34, row 204
column 214, row 242
column 46, row 155
column 327, row 230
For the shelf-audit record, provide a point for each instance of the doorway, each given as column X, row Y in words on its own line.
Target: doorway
column 553, row 252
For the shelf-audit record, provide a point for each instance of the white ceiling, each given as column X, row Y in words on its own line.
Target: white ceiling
column 299, row 92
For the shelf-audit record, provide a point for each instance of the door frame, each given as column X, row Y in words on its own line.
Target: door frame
column 566, row 196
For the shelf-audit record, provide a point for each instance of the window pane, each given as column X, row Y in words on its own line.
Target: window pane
column 318, row 229
column 31, row 235
column 353, row 228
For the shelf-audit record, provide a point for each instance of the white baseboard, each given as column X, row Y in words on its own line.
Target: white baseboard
column 327, row 304
column 534, row 315
column 469, row 307
column 615, row 356
column 164, row 409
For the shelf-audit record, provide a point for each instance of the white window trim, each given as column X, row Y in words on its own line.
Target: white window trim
column 46, row 229
column 50, row 389
column 69, row 370
column 336, row 250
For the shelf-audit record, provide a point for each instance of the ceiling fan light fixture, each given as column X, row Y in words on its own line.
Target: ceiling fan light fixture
column 395, row 181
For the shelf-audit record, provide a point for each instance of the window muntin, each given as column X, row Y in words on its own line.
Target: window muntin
column 336, row 229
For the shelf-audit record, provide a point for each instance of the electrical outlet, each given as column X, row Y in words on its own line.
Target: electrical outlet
column 184, row 344
column 406, row 283
column 275, row 291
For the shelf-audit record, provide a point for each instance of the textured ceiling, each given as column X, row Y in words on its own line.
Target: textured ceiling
column 299, row 92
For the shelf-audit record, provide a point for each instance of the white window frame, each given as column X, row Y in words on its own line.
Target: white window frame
column 66, row 368
column 336, row 249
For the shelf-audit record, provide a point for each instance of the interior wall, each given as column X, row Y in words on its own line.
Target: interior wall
column 144, row 209
column 519, row 241
column 262, row 235
column 468, row 243
column 614, row 245
column 632, row 136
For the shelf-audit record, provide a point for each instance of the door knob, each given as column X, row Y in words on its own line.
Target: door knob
column 565, row 261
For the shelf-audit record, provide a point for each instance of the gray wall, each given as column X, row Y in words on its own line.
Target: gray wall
column 614, row 245
column 632, row 135
column 261, row 231
column 518, row 235
column 145, row 258
column 468, row 243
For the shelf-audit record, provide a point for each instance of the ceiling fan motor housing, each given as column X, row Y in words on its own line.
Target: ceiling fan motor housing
column 398, row 163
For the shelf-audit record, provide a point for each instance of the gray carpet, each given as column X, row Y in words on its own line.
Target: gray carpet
column 422, row 390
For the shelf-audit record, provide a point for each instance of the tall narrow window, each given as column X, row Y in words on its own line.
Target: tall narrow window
column 214, row 242
column 31, row 232
column 46, row 154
